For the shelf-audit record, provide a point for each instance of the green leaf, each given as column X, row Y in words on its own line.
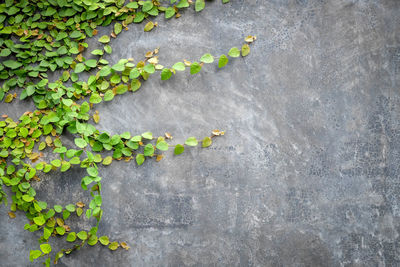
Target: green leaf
column 67, row 102
column 199, row 6
column 105, row 71
column 245, row 50
column 70, row 207
column 135, row 85
column 46, row 248
column 119, row 66
column 166, row 74
column 95, row 98
column 92, row 171
column 34, row 254
column 82, row 235
column 104, row 240
column 79, row 68
column 162, row 145
column 108, row 49
column 140, row 159
column 92, row 63
column 5, row 52
column 65, row 166
column 133, row 5
column 92, row 240
column 121, row 89
column 60, row 230
column 182, row 3
column 149, row 68
column 71, row 237
column 79, row 211
column 134, row 73
column 223, row 60
column 56, row 163
column 75, row 34
column 148, row 150
column 58, row 208
column 66, row 214
column 169, row 12
column 115, row 79
column 107, row 160
column 234, row 52
column 104, row 39
column 179, row 66
column 125, row 135
column 207, row 58
column 97, row 52
column 195, row 68
column 117, row 28
column 206, row 142
column 40, row 220
column 191, row 141
column 147, row 135
column 179, row 149
column 109, row 95
column 27, row 198
column 12, row 64
column 81, row 143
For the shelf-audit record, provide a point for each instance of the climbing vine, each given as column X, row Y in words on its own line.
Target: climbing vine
column 42, row 36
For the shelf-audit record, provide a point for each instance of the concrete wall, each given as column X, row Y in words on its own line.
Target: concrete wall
column 308, row 172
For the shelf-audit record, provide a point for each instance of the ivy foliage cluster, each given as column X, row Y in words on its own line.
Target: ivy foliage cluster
column 42, row 36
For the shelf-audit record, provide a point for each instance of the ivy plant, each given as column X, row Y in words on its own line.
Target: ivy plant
column 39, row 37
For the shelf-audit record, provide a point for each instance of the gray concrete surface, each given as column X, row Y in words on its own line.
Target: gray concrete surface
column 308, row 172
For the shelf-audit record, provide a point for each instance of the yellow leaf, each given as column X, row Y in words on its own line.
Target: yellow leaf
column 153, row 60
column 250, row 38
column 113, row 245
column 206, row 142
column 48, row 140
column 107, row 160
column 125, row 245
column 149, row 26
column 11, row 214
column 60, row 222
column 96, row 117
column 245, row 50
column 9, row 98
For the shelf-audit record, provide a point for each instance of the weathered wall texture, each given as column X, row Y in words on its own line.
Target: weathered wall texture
column 308, row 172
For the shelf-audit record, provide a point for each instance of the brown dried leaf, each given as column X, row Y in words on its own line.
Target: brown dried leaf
column 168, row 135
column 125, row 245
column 218, row 132
column 159, row 157
column 250, row 38
column 80, row 204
